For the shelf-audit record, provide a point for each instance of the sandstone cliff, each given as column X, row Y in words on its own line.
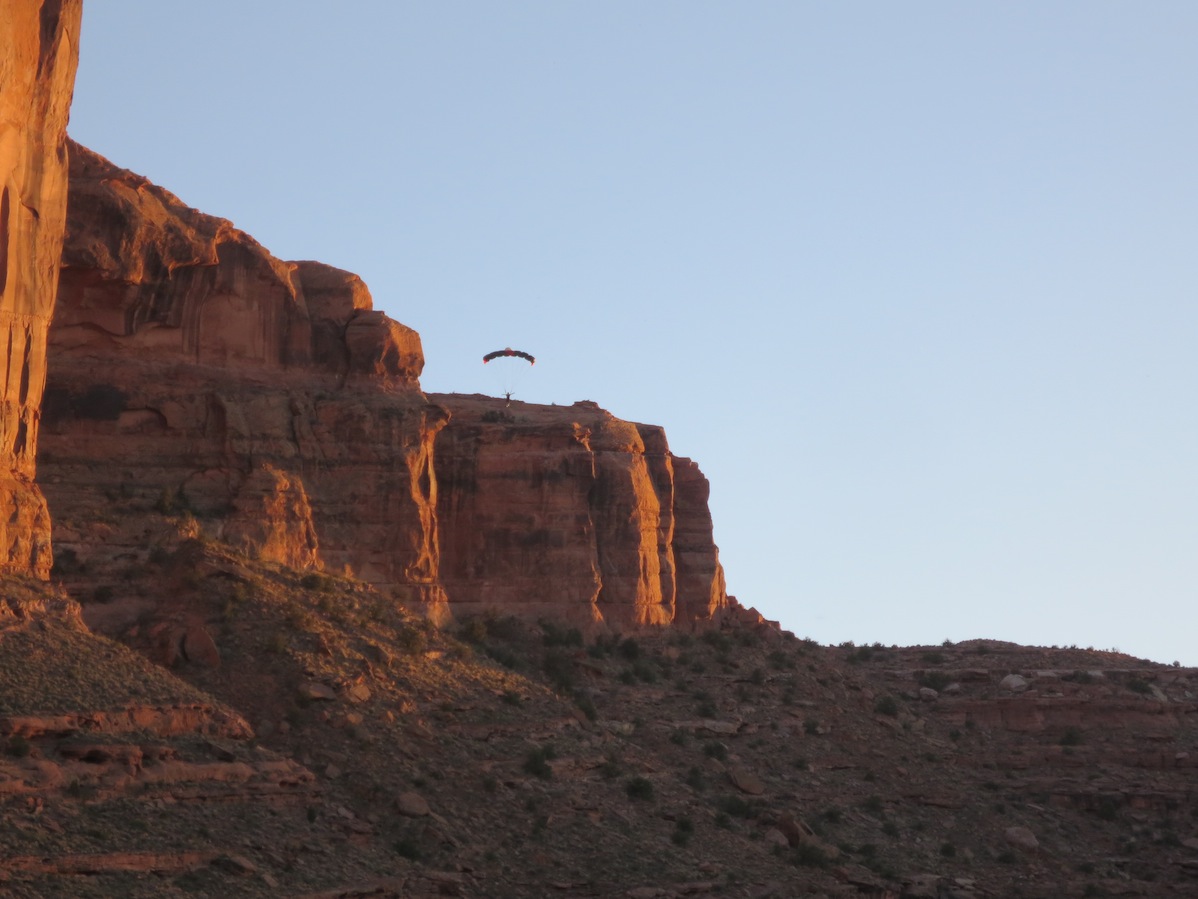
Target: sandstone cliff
column 194, row 372
column 38, row 56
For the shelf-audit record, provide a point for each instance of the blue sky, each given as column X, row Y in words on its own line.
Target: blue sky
column 915, row 284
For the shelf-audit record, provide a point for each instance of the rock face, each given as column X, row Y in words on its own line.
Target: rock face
column 38, row 56
column 264, row 398
column 570, row 511
column 195, row 374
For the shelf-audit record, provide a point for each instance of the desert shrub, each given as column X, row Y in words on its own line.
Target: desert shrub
column 629, row 648
column 1071, row 737
column 935, row 680
column 1107, row 808
column 66, row 561
column 780, row 660
column 886, row 705
column 718, row 641
column 18, row 747
column 504, row 656
column 319, row 582
column 707, row 709
column 716, row 750
column 172, row 502
column 683, row 829
column 559, row 668
column 536, row 761
column 586, row 705
column 411, row 639
column 1139, row 685
column 408, row 848
column 555, row 635
column 644, row 672
column 473, row 630
column 639, row 788
column 873, row 805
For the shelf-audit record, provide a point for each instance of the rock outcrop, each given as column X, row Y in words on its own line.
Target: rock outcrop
column 38, row 57
column 571, row 512
column 194, row 373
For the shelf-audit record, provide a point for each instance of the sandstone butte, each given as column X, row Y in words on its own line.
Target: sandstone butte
column 192, row 370
column 38, row 57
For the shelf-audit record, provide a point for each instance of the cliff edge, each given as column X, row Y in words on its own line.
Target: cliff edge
column 194, row 374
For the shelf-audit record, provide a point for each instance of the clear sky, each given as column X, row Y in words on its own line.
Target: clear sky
column 916, row 284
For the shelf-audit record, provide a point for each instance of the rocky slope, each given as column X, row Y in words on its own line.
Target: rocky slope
column 371, row 754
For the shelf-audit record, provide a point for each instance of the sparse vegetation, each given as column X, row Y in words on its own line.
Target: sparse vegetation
column 1071, row 737
column 640, row 789
column 886, row 705
column 536, row 761
column 512, row 704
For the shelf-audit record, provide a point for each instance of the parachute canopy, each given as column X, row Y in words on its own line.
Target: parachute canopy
column 508, row 351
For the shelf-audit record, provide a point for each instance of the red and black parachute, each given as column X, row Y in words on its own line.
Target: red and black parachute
column 508, row 351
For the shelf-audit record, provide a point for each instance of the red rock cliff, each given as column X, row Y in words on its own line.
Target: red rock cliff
column 193, row 370
column 571, row 512
column 38, row 56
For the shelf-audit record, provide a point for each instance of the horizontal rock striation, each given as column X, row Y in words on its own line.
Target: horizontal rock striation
column 198, row 377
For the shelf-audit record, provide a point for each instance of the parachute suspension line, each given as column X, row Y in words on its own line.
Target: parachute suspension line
column 508, row 372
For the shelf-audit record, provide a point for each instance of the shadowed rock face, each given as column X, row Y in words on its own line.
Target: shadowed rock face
column 38, row 56
column 194, row 372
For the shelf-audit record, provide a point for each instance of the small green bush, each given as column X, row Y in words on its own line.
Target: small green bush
column 886, row 705
column 536, row 762
column 873, row 805
column 716, row 750
column 18, row 747
column 629, row 648
column 639, row 788
column 683, row 830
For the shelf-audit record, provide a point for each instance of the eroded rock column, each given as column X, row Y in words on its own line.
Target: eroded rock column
column 39, row 52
